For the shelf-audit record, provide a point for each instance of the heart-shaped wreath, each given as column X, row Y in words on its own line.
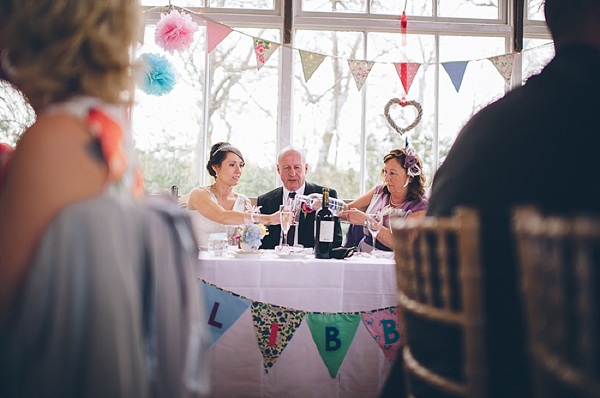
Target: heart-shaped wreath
column 403, row 103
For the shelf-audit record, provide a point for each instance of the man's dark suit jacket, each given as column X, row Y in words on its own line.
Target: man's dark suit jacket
column 270, row 203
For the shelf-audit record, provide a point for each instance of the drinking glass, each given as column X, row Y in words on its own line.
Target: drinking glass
column 374, row 222
column 286, row 217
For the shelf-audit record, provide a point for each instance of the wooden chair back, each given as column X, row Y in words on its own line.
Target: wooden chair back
column 439, row 279
column 560, row 272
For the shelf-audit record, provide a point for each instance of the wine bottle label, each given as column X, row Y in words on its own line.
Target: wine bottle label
column 326, row 231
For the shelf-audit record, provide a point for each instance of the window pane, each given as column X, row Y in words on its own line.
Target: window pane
column 384, row 84
column 254, row 4
column 327, row 109
column 477, row 9
column 167, row 129
column 243, row 107
column 482, row 83
column 419, row 8
column 16, row 115
column 535, row 10
column 536, row 54
column 335, row 6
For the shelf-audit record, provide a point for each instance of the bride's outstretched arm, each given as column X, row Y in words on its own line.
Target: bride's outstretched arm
column 200, row 201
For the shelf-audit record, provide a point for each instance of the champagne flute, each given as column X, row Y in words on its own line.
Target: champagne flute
column 374, row 223
column 286, row 216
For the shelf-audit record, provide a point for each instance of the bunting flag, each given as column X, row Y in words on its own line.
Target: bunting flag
column 274, row 327
column 456, row 71
column 310, row 63
column 360, row 70
column 222, row 310
column 333, row 334
column 406, row 72
column 504, row 64
column 215, row 33
column 385, row 329
column 263, row 50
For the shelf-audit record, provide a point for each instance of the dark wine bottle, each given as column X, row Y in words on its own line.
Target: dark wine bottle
column 325, row 228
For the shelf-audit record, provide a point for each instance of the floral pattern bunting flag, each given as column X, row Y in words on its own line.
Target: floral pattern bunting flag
column 385, row 329
column 333, row 334
column 407, row 72
column 310, row 63
column 504, row 64
column 456, row 71
column 274, row 327
column 360, row 70
column 221, row 309
column 263, row 50
column 215, row 33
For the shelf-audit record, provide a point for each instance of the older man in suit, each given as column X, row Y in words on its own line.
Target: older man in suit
column 292, row 169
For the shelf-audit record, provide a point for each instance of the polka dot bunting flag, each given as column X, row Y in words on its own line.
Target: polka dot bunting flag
column 310, row 63
column 407, row 72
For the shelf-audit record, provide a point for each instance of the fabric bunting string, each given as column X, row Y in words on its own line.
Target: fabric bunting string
column 275, row 326
column 360, row 69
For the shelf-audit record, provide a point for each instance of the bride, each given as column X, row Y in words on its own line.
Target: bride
column 213, row 207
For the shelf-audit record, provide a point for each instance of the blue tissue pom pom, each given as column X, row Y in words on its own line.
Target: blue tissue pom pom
column 158, row 76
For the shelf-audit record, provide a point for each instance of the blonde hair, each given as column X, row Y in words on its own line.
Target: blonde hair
column 61, row 48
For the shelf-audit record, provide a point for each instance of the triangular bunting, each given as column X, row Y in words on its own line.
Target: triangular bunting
column 274, row 327
column 215, row 33
column 456, row 71
column 407, row 72
column 385, row 329
column 360, row 70
column 333, row 334
column 263, row 50
column 310, row 63
column 221, row 309
column 504, row 64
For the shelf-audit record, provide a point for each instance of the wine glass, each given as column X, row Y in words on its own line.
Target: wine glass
column 374, row 222
column 286, row 216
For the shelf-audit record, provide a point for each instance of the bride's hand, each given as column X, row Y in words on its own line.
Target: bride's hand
column 274, row 219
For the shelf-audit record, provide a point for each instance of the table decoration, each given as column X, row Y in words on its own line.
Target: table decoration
column 251, row 235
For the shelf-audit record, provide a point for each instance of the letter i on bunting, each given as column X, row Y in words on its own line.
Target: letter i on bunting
column 333, row 334
column 274, row 327
column 263, row 50
column 385, row 329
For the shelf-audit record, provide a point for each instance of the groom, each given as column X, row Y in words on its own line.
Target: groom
column 292, row 169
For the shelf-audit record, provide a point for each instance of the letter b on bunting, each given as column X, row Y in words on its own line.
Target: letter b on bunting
column 333, row 334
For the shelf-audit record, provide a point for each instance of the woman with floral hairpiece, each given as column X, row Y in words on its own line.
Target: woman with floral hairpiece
column 402, row 192
column 213, row 207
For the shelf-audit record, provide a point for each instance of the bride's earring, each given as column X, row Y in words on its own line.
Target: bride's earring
column 5, row 63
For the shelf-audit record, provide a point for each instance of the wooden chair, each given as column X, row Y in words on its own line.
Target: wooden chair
column 560, row 260
column 439, row 280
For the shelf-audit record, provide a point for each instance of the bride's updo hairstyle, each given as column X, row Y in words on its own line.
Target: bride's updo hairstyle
column 218, row 152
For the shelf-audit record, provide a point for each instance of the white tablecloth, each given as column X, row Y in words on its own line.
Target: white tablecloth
column 354, row 284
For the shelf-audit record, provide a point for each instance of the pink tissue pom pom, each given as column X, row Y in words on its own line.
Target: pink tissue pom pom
column 175, row 31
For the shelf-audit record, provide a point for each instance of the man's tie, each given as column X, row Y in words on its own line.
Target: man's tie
column 292, row 232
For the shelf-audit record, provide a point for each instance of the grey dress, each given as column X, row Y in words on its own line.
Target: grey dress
column 109, row 307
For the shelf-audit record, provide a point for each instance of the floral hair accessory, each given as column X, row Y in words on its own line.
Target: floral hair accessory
column 158, row 77
column 411, row 163
column 175, row 31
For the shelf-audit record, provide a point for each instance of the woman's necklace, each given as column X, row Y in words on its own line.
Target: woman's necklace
column 395, row 204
